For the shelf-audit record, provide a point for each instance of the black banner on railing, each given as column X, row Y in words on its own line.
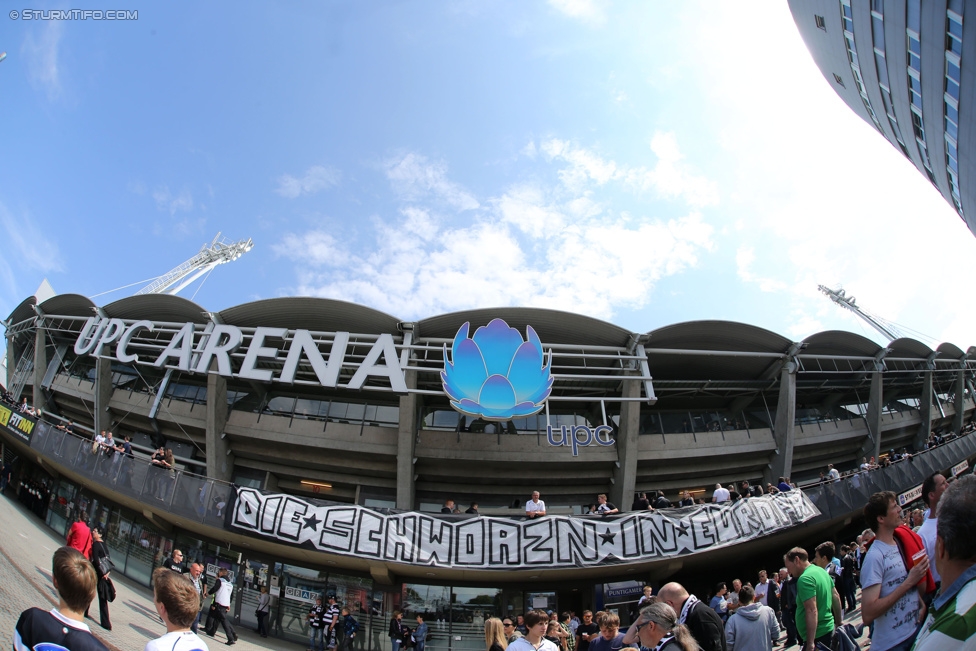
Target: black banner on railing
column 505, row 544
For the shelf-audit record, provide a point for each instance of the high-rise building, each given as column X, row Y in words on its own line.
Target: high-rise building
column 899, row 65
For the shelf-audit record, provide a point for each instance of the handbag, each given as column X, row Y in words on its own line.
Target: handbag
column 105, row 565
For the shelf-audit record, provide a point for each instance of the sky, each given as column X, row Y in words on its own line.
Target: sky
column 644, row 163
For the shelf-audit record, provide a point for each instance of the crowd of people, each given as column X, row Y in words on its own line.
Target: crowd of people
column 916, row 585
column 78, row 579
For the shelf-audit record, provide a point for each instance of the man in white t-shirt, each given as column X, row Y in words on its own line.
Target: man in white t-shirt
column 832, row 472
column 177, row 603
column 891, row 596
column 932, row 489
column 535, row 508
column 721, row 494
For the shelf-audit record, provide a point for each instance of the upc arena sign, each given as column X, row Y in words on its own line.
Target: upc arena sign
column 221, row 341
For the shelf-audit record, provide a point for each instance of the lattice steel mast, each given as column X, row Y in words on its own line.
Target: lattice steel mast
column 838, row 296
column 209, row 257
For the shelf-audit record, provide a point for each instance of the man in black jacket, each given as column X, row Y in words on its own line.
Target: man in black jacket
column 787, row 603
column 703, row 622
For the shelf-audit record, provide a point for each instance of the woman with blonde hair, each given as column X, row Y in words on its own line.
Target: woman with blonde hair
column 494, row 635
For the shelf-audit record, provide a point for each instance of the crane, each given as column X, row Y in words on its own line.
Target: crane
column 209, row 257
column 849, row 302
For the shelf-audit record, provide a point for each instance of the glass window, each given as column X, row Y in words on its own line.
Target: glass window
column 952, row 88
column 282, row 405
column 914, row 14
column 952, row 70
column 951, row 129
column 877, row 26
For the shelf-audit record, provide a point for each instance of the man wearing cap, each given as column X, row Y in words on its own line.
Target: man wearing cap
column 330, row 617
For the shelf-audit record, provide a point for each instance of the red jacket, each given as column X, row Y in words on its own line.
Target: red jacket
column 80, row 538
column 910, row 543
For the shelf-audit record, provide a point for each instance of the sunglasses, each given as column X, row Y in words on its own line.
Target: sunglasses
column 507, row 624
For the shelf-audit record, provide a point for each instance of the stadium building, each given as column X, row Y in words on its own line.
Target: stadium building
column 317, row 441
column 901, row 66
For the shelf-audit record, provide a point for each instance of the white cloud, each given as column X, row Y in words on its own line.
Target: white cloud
column 745, row 256
column 27, row 245
column 166, row 200
column 315, row 179
column 41, row 56
column 586, row 11
column 532, row 246
column 415, row 178
column 670, row 178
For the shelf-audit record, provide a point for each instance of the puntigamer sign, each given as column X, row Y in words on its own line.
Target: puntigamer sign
column 219, row 342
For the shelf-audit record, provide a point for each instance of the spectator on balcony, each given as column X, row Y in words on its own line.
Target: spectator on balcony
column 535, row 507
column 661, row 502
column 641, row 503
column 24, row 407
column 604, row 507
column 783, row 485
column 720, row 495
column 686, row 499
column 832, row 473
column 448, row 506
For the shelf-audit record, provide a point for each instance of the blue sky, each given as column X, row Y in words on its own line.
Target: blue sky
column 645, row 163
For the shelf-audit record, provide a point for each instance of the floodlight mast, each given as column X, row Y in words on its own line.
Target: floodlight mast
column 209, row 257
column 849, row 302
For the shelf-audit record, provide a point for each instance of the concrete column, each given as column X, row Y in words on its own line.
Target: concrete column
column 11, row 363
column 103, row 393
column 40, row 368
column 872, row 444
column 960, row 402
column 410, row 405
column 220, row 458
column 625, row 473
column 925, row 410
column 784, row 427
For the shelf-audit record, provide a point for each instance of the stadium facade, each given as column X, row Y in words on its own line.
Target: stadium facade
column 316, row 442
column 905, row 68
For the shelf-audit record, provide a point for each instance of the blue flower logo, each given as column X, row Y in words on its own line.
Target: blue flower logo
column 496, row 375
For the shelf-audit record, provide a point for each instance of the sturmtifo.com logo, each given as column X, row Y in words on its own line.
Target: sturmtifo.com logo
column 496, row 375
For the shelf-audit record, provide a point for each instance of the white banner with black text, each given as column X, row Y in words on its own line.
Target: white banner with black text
column 487, row 542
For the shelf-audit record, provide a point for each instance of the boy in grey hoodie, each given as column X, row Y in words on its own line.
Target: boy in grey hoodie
column 753, row 626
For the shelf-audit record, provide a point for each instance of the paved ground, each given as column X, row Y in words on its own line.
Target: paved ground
column 26, row 547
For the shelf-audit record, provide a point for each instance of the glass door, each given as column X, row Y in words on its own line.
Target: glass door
column 254, row 577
